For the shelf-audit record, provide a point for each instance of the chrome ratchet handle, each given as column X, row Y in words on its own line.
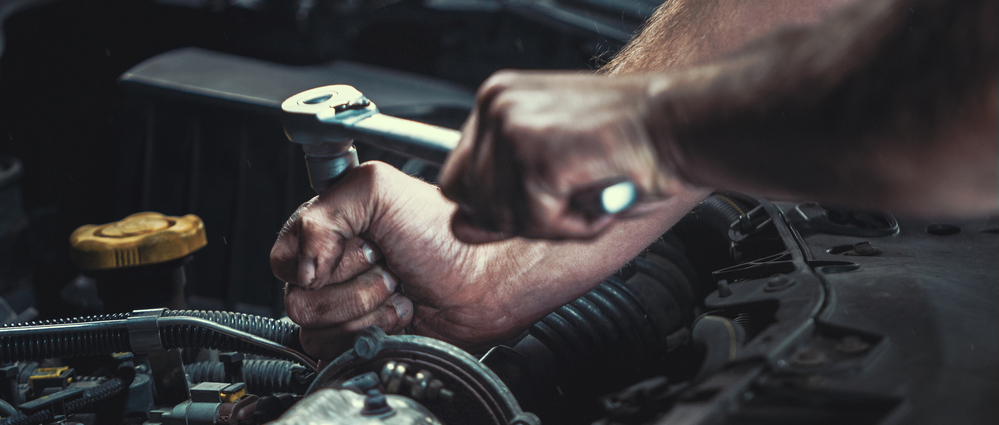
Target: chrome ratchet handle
column 326, row 121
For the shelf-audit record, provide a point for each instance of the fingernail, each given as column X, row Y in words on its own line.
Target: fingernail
column 403, row 307
column 369, row 254
column 390, row 282
column 306, row 271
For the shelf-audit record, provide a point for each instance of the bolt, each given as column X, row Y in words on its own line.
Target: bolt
column 723, row 289
column 418, row 388
column 375, row 404
column 745, row 224
column 367, row 347
column 396, row 377
column 777, row 283
column 387, row 371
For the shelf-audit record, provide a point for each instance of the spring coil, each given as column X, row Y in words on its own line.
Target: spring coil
column 273, row 377
column 207, row 371
column 281, row 332
column 179, row 336
column 260, row 376
column 104, row 391
column 35, row 418
column 97, row 341
column 628, row 316
column 720, row 211
column 63, row 344
column 81, row 319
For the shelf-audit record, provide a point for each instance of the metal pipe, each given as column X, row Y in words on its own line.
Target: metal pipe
column 240, row 335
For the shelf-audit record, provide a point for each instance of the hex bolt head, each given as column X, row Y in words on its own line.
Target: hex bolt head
column 367, row 346
column 778, row 283
column 723, row 289
column 375, row 404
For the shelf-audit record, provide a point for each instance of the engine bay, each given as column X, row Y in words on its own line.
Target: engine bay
column 748, row 311
column 804, row 314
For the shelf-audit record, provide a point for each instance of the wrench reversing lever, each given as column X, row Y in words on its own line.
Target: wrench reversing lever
column 326, row 120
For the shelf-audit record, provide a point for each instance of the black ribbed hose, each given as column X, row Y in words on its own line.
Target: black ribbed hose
column 262, row 377
column 281, row 332
column 721, row 339
column 720, row 211
column 32, row 419
column 109, row 335
column 90, row 396
column 627, row 318
column 616, row 333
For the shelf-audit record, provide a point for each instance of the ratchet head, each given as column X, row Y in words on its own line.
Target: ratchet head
column 307, row 116
column 314, row 119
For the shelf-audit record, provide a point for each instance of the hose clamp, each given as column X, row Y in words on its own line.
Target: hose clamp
column 143, row 332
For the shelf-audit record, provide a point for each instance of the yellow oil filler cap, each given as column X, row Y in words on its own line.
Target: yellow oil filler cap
column 139, row 239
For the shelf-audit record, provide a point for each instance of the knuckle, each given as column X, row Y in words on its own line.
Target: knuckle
column 299, row 315
column 366, row 301
column 497, row 82
column 355, row 326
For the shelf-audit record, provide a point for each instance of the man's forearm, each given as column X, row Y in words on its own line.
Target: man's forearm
column 687, row 32
column 888, row 104
column 566, row 270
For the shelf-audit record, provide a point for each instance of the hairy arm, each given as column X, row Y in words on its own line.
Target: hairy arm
column 887, row 104
column 688, row 32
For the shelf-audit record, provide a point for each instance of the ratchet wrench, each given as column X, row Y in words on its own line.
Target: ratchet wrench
column 326, row 120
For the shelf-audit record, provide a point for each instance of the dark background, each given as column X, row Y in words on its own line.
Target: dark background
column 78, row 132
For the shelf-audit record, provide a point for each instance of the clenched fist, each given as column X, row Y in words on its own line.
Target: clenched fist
column 537, row 139
column 376, row 249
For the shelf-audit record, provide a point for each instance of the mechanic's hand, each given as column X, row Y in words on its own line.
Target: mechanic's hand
column 376, row 250
column 535, row 139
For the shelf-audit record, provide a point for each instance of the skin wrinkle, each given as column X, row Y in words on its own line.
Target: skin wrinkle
column 497, row 301
column 312, row 310
column 550, row 202
column 488, row 139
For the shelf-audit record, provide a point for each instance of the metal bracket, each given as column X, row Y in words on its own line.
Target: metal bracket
column 143, row 332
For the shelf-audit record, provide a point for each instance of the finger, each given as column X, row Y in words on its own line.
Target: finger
column 458, row 155
column 358, row 256
column 340, row 303
column 320, row 248
column 453, row 177
column 473, row 176
column 284, row 253
column 329, row 250
column 328, row 342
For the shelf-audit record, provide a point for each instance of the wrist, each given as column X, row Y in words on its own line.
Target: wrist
column 660, row 117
